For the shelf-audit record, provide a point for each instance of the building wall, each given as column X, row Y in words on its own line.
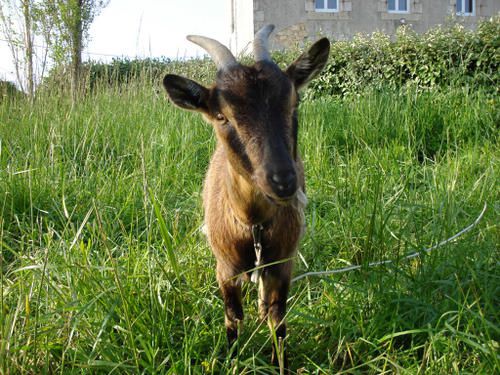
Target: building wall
column 297, row 21
column 242, row 25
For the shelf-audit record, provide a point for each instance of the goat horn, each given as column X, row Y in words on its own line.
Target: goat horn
column 261, row 43
column 219, row 53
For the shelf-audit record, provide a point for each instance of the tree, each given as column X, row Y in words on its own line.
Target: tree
column 18, row 29
column 65, row 25
column 28, row 40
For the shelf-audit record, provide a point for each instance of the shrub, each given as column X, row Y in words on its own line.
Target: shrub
column 124, row 71
column 121, row 71
column 444, row 55
column 9, row 91
column 441, row 56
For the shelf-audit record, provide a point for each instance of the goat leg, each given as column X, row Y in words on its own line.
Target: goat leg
column 273, row 292
column 233, row 308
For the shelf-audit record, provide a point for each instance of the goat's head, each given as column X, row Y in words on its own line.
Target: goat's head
column 254, row 110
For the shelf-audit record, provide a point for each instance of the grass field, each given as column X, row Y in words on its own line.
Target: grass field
column 104, row 269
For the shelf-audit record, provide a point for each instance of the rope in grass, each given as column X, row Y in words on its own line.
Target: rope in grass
column 410, row 256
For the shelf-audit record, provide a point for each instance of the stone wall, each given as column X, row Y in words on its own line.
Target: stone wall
column 297, row 21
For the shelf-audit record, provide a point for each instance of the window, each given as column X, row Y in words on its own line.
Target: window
column 397, row 6
column 326, row 6
column 466, row 7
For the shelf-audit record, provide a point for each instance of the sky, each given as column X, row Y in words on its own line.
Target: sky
column 147, row 28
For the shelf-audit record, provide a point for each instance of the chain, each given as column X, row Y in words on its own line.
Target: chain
column 257, row 245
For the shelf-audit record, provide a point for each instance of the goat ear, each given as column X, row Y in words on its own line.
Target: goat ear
column 310, row 63
column 186, row 93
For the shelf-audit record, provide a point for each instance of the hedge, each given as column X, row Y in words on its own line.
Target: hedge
column 444, row 55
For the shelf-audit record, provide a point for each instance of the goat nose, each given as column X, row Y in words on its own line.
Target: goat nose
column 284, row 183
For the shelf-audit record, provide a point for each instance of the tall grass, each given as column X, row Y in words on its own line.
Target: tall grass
column 104, row 269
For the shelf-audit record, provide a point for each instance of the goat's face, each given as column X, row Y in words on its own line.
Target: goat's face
column 255, row 119
column 254, row 113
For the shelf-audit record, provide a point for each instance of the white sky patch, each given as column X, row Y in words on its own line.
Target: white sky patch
column 147, row 28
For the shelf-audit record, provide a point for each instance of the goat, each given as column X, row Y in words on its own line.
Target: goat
column 253, row 195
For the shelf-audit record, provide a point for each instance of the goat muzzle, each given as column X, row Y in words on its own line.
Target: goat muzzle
column 283, row 183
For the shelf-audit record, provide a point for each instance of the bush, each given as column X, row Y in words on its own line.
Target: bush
column 9, row 91
column 121, row 71
column 441, row 56
column 125, row 71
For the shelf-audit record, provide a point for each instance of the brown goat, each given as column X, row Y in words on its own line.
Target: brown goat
column 254, row 189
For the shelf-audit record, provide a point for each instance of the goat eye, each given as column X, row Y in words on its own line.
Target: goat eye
column 220, row 117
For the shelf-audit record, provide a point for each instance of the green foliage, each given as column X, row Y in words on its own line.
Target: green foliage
column 9, row 91
column 65, row 23
column 120, row 71
column 440, row 57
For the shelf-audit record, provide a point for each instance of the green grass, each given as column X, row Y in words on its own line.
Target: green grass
column 104, row 269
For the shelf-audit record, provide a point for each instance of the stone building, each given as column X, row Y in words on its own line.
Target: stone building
column 300, row 20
